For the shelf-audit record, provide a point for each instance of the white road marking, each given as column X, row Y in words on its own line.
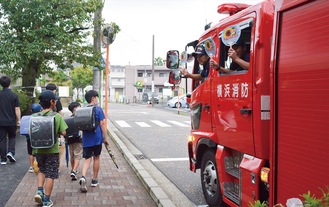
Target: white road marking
column 169, row 159
column 123, row 124
column 160, row 123
column 179, row 124
column 189, row 122
column 142, row 124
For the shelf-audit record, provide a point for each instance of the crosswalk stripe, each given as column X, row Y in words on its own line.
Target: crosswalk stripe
column 143, row 124
column 122, row 124
column 179, row 124
column 160, row 123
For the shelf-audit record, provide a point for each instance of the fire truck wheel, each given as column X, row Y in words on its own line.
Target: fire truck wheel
column 209, row 179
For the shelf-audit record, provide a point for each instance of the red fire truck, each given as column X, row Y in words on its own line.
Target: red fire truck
column 260, row 134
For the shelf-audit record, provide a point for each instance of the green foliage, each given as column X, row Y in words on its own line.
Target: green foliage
column 115, row 27
column 58, row 77
column 257, row 204
column 24, row 99
column 312, row 201
column 309, row 200
column 158, row 61
column 36, row 36
column 82, row 76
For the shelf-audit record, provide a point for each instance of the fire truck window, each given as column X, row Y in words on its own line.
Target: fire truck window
column 242, row 49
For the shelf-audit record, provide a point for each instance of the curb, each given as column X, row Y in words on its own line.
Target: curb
column 156, row 192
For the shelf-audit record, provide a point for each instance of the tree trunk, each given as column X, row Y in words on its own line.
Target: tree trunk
column 28, row 82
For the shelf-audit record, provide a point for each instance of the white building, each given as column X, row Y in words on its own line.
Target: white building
column 123, row 80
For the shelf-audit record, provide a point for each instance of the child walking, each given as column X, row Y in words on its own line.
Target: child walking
column 35, row 108
column 75, row 145
column 48, row 158
column 92, row 142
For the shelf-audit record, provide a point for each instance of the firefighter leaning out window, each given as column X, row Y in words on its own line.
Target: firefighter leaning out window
column 237, row 53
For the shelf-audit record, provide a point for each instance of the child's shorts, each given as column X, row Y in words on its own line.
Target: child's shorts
column 48, row 164
column 88, row 152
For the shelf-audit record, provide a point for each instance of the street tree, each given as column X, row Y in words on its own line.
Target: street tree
column 158, row 61
column 38, row 36
column 58, row 77
column 81, row 77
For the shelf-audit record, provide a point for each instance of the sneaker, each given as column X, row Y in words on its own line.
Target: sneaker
column 11, row 157
column 48, row 203
column 94, row 183
column 82, row 182
column 3, row 162
column 74, row 175
column 31, row 169
column 39, row 197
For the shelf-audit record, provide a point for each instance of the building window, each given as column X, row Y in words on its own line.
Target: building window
column 139, row 74
column 119, row 70
column 160, row 90
column 163, row 75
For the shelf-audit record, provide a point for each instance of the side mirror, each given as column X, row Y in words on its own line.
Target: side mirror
column 174, row 77
column 172, row 59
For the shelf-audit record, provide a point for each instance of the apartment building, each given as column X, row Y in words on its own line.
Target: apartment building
column 123, row 80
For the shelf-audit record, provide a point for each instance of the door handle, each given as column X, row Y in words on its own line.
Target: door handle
column 206, row 107
column 245, row 111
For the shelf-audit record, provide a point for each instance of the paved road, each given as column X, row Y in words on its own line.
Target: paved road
column 160, row 134
column 12, row 174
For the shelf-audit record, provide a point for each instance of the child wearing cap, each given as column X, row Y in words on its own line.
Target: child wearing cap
column 59, row 108
column 48, row 158
column 75, row 145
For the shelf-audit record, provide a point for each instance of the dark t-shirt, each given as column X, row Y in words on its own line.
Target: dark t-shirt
column 8, row 102
column 59, row 106
column 205, row 70
column 236, row 66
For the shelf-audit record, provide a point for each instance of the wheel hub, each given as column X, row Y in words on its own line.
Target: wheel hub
column 210, row 178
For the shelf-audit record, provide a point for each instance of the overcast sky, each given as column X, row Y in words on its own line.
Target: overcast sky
column 174, row 23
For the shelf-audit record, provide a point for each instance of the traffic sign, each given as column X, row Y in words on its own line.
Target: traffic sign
column 139, row 84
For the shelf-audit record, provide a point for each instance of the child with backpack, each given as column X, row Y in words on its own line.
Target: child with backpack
column 92, row 142
column 48, row 158
column 35, row 108
column 74, row 141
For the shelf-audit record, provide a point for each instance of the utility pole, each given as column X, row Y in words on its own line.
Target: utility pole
column 153, row 71
column 97, row 46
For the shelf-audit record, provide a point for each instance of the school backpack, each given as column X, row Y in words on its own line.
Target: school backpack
column 24, row 126
column 85, row 118
column 72, row 131
column 42, row 130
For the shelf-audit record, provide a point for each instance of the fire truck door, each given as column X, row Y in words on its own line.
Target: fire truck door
column 233, row 110
column 232, row 99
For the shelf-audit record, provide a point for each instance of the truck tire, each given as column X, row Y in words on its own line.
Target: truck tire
column 209, row 179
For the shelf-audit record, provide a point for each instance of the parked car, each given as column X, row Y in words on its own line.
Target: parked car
column 147, row 97
column 173, row 103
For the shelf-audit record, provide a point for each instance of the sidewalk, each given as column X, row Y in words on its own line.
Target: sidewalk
column 130, row 185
